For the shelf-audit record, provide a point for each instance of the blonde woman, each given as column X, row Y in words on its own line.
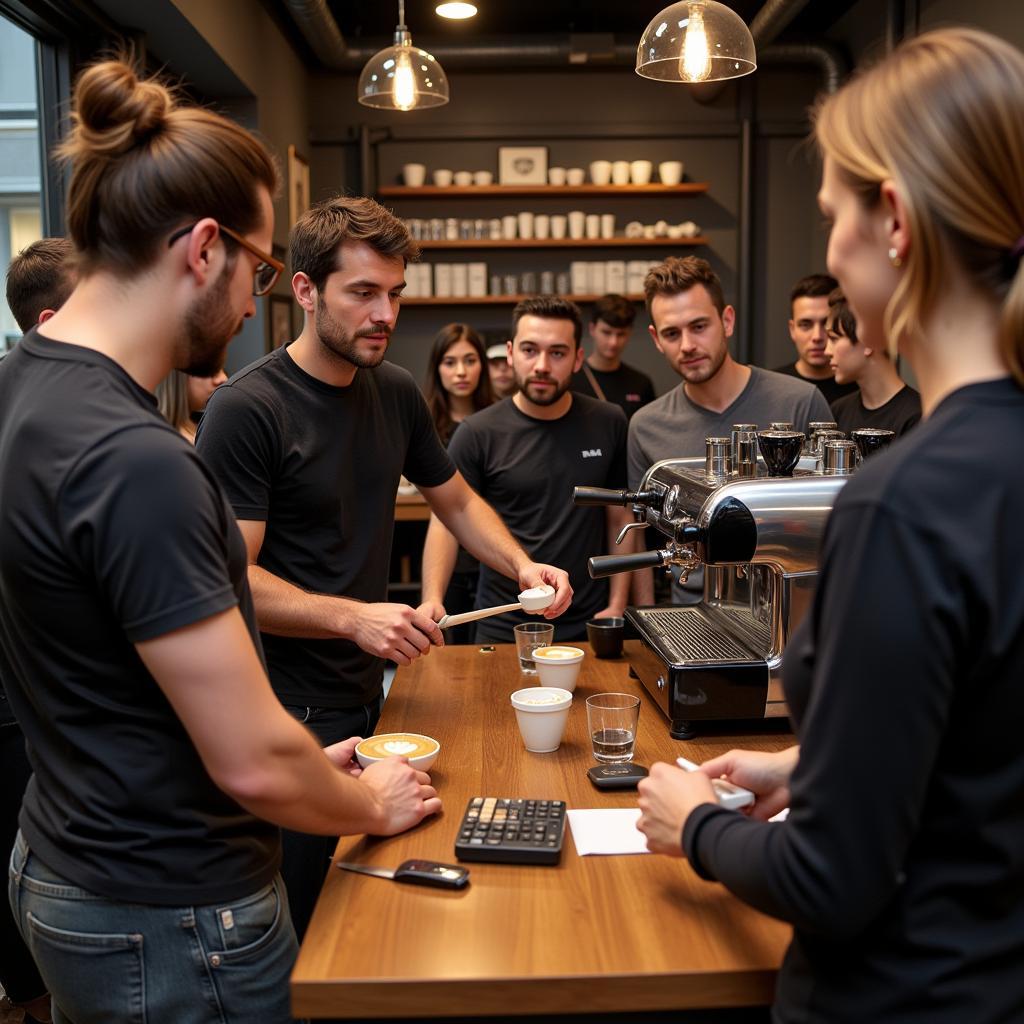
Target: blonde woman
column 901, row 864
column 181, row 399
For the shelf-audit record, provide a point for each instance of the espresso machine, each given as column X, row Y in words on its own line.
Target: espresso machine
column 754, row 524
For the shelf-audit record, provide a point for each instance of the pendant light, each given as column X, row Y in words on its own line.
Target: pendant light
column 402, row 77
column 696, row 41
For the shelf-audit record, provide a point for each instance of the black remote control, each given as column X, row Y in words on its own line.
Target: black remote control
column 508, row 831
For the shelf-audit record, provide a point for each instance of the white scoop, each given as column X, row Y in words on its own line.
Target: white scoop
column 536, row 599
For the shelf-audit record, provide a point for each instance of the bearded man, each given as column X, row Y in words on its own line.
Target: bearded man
column 309, row 443
column 523, row 455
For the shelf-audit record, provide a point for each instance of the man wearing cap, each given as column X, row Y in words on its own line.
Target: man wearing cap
column 503, row 379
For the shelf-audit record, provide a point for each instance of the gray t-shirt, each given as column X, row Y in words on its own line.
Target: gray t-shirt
column 675, row 427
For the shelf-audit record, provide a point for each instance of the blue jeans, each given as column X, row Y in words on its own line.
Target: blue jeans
column 132, row 963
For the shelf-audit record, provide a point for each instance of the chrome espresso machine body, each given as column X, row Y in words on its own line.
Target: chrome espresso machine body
column 757, row 538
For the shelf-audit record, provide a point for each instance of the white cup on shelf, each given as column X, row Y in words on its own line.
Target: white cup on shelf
column 592, row 225
column 559, row 225
column 556, row 176
column 670, row 172
column 494, row 228
column 601, row 172
column 414, row 175
column 483, row 178
column 541, row 226
column 575, row 176
column 620, row 172
column 525, row 220
column 509, row 226
column 607, row 225
column 463, row 178
column 577, row 223
column 443, row 177
column 640, row 172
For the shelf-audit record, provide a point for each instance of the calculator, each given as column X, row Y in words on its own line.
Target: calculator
column 507, row 831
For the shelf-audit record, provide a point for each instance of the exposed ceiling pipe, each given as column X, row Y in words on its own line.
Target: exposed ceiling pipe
column 321, row 32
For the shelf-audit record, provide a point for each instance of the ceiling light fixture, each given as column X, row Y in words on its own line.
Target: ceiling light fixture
column 456, row 11
column 402, row 77
column 696, row 41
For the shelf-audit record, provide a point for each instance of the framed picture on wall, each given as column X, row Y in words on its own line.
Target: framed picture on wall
column 298, row 185
column 522, row 165
column 279, row 320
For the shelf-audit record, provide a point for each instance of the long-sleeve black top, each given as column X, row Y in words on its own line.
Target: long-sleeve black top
column 901, row 865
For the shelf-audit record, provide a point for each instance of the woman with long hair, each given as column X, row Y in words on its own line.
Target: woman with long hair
column 901, row 863
column 457, row 385
column 181, row 399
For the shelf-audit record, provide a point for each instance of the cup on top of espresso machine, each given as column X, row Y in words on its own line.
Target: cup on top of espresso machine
column 872, row 439
column 744, row 449
column 838, row 458
column 780, row 450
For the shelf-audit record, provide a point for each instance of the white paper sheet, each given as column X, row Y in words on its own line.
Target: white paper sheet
column 607, row 831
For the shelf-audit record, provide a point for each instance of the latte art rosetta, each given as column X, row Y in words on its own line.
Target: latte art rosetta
column 397, row 745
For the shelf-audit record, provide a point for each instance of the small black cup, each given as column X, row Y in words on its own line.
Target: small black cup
column 780, row 450
column 605, row 636
column 872, row 439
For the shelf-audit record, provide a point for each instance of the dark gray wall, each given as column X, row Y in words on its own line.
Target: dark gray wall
column 581, row 116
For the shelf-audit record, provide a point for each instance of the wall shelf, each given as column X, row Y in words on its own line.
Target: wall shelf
column 496, row 300
column 492, row 191
column 560, row 243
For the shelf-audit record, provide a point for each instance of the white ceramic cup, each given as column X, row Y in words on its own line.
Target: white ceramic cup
column 463, row 178
column 670, row 172
column 556, row 176
column 542, row 226
column 403, row 744
column 494, row 228
column 559, row 225
column 592, row 225
column 414, row 175
column 483, row 178
column 558, row 665
column 443, row 178
column 620, row 172
column 542, row 712
column 525, row 220
column 607, row 225
column 575, row 176
column 509, row 226
column 640, row 172
column 601, row 172
column 577, row 223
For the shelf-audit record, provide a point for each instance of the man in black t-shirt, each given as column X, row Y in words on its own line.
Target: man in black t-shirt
column 524, row 455
column 881, row 399
column 603, row 374
column 808, row 303
column 309, row 443
column 144, row 877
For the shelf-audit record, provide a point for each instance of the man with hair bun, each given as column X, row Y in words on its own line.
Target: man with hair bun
column 309, row 443
column 144, row 879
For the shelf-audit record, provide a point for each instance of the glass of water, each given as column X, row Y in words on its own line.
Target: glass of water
column 612, row 719
column 530, row 636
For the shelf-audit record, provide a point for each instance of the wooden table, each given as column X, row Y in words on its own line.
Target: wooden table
column 594, row 933
column 411, row 508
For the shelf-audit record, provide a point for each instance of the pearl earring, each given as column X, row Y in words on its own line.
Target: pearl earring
column 894, row 258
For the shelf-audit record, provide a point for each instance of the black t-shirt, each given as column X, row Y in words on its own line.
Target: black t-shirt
column 112, row 532
column 826, row 385
column 901, row 865
column 900, row 413
column 320, row 466
column 526, row 468
column 626, row 387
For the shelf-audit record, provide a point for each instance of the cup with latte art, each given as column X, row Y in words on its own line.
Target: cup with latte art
column 421, row 750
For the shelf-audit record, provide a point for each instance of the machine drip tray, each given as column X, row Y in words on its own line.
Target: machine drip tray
column 692, row 635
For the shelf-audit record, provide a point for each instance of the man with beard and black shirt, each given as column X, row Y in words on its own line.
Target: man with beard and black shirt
column 604, row 375
column 808, row 305
column 309, row 443
column 145, row 875
column 524, row 455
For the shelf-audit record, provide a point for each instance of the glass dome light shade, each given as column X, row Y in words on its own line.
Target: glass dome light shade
column 402, row 77
column 696, row 41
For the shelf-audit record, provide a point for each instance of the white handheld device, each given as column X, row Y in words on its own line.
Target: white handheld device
column 730, row 796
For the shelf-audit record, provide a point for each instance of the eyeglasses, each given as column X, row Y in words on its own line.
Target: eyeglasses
column 266, row 272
